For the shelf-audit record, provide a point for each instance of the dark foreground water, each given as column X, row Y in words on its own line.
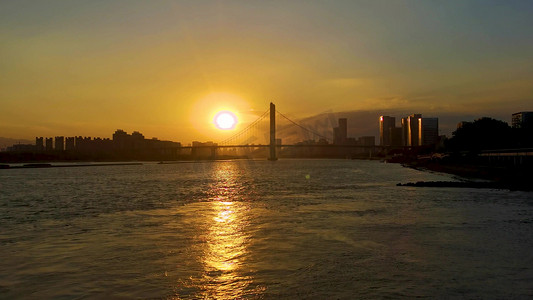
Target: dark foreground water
column 293, row 229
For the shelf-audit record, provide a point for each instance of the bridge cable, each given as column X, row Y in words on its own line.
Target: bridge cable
column 244, row 131
column 309, row 130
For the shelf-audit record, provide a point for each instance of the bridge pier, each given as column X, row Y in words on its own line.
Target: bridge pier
column 272, row 145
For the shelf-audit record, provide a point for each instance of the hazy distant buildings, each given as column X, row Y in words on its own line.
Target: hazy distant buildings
column 205, row 150
column 21, row 148
column 522, row 119
column 123, row 147
column 340, row 134
column 137, row 146
column 366, row 141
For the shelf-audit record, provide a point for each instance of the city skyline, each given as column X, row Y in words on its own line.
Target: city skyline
column 166, row 68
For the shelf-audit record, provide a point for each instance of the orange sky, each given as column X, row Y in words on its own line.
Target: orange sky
column 164, row 68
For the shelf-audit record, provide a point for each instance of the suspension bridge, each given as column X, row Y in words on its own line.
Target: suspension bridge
column 264, row 137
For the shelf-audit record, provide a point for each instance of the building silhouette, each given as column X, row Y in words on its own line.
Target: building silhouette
column 49, row 145
column 405, row 131
column 203, row 150
column 366, row 141
column 39, row 144
column 428, row 131
column 69, row 144
column 386, row 128
column 412, row 130
column 59, row 144
column 340, row 133
column 123, row 146
column 396, row 136
column 522, row 119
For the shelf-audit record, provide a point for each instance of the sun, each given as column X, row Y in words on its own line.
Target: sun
column 225, row 120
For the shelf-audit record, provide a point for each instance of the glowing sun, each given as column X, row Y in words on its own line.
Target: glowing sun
column 225, row 120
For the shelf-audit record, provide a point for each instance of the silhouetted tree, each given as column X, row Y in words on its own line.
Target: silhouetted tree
column 482, row 134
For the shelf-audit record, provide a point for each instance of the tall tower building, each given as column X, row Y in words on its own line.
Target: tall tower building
column 386, row 128
column 49, row 144
column 69, row 144
column 428, row 131
column 39, row 144
column 120, row 135
column 343, row 129
column 412, row 127
column 340, row 134
column 59, row 143
column 405, row 132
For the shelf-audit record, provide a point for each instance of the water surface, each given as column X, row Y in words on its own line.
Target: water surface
column 293, row 229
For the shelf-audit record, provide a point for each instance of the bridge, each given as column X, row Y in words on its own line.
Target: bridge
column 264, row 134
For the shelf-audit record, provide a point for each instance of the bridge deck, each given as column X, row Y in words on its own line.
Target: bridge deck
column 284, row 146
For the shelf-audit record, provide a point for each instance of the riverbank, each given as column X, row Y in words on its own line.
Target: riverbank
column 495, row 177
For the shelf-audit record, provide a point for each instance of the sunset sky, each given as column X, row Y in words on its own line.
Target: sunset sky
column 165, row 68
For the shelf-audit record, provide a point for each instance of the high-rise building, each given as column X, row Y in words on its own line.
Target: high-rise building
column 428, row 131
column 386, row 125
column 120, row 135
column 60, row 143
column 412, row 127
column 523, row 119
column 83, row 144
column 343, row 128
column 340, row 134
column 396, row 136
column 405, row 132
column 137, row 136
column 49, row 146
column 39, row 144
column 69, row 144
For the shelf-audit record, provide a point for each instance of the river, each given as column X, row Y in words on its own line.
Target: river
column 290, row 229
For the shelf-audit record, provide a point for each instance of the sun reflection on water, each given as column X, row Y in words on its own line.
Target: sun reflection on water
column 226, row 237
column 226, row 241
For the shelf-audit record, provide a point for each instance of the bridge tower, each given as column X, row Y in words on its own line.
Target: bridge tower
column 272, row 132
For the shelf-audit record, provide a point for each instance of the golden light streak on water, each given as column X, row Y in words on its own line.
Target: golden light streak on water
column 226, row 238
column 226, row 241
